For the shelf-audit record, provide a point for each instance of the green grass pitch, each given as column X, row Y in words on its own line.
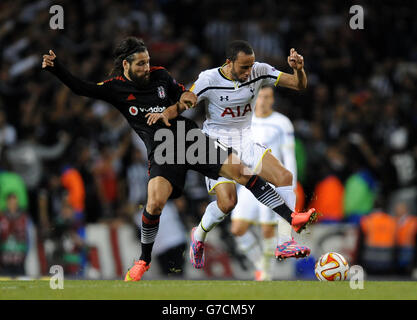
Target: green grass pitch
column 205, row 290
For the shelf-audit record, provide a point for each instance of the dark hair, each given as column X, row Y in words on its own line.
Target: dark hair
column 125, row 51
column 237, row 46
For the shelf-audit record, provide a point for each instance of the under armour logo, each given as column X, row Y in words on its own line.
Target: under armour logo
column 224, row 98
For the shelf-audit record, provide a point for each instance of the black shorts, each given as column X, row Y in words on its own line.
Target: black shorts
column 208, row 164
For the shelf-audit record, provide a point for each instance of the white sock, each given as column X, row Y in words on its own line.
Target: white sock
column 211, row 218
column 284, row 231
column 268, row 246
column 288, row 195
column 284, row 228
column 248, row 245
column 268, row 257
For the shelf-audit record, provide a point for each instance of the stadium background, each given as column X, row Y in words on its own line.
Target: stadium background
column 356, row 151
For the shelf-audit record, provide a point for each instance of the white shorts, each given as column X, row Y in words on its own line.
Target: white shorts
column 251, row 210
column 251, row 155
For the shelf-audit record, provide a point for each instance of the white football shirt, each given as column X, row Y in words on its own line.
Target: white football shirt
column 277, row 133
column 230, row 104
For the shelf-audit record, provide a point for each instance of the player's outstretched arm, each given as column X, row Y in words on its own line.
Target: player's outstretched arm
column 298, row 80
column 78, row 86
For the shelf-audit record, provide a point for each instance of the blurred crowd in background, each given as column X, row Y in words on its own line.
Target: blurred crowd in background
column 67, row 160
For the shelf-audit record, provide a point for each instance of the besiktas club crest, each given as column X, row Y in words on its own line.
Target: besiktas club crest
column 133, row 110
column 161, row 92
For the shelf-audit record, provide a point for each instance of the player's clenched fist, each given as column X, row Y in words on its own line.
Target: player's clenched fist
column 188, row 100
column 295, row 60
column 48, row 59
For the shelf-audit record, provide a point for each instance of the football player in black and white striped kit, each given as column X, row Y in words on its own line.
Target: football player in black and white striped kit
column 228, row 94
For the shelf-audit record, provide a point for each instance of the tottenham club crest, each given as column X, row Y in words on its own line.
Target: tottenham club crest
column 161, row 92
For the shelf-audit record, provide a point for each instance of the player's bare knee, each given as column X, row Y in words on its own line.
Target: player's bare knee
column 241, row 174
column 227, row 204
column 155, row 206
column 283, row 178
column 287, row 178
column 235, row 172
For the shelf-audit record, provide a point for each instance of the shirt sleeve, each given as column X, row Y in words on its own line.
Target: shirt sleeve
column 200, row 87
column 270, row 75
column 101, row 90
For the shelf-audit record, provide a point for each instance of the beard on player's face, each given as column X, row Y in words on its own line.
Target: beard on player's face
column 139, row 80
column 236, row 76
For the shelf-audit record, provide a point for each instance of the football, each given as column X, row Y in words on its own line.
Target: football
column 331, row 266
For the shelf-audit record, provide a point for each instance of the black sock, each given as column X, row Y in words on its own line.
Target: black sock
column 268, row 196
column 149, row 230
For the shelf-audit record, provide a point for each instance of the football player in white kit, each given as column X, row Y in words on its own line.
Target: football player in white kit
column 229, row 94
column 272, row 129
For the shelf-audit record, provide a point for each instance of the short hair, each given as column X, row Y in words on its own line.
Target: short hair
column 237, row 46
column 125, row 51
